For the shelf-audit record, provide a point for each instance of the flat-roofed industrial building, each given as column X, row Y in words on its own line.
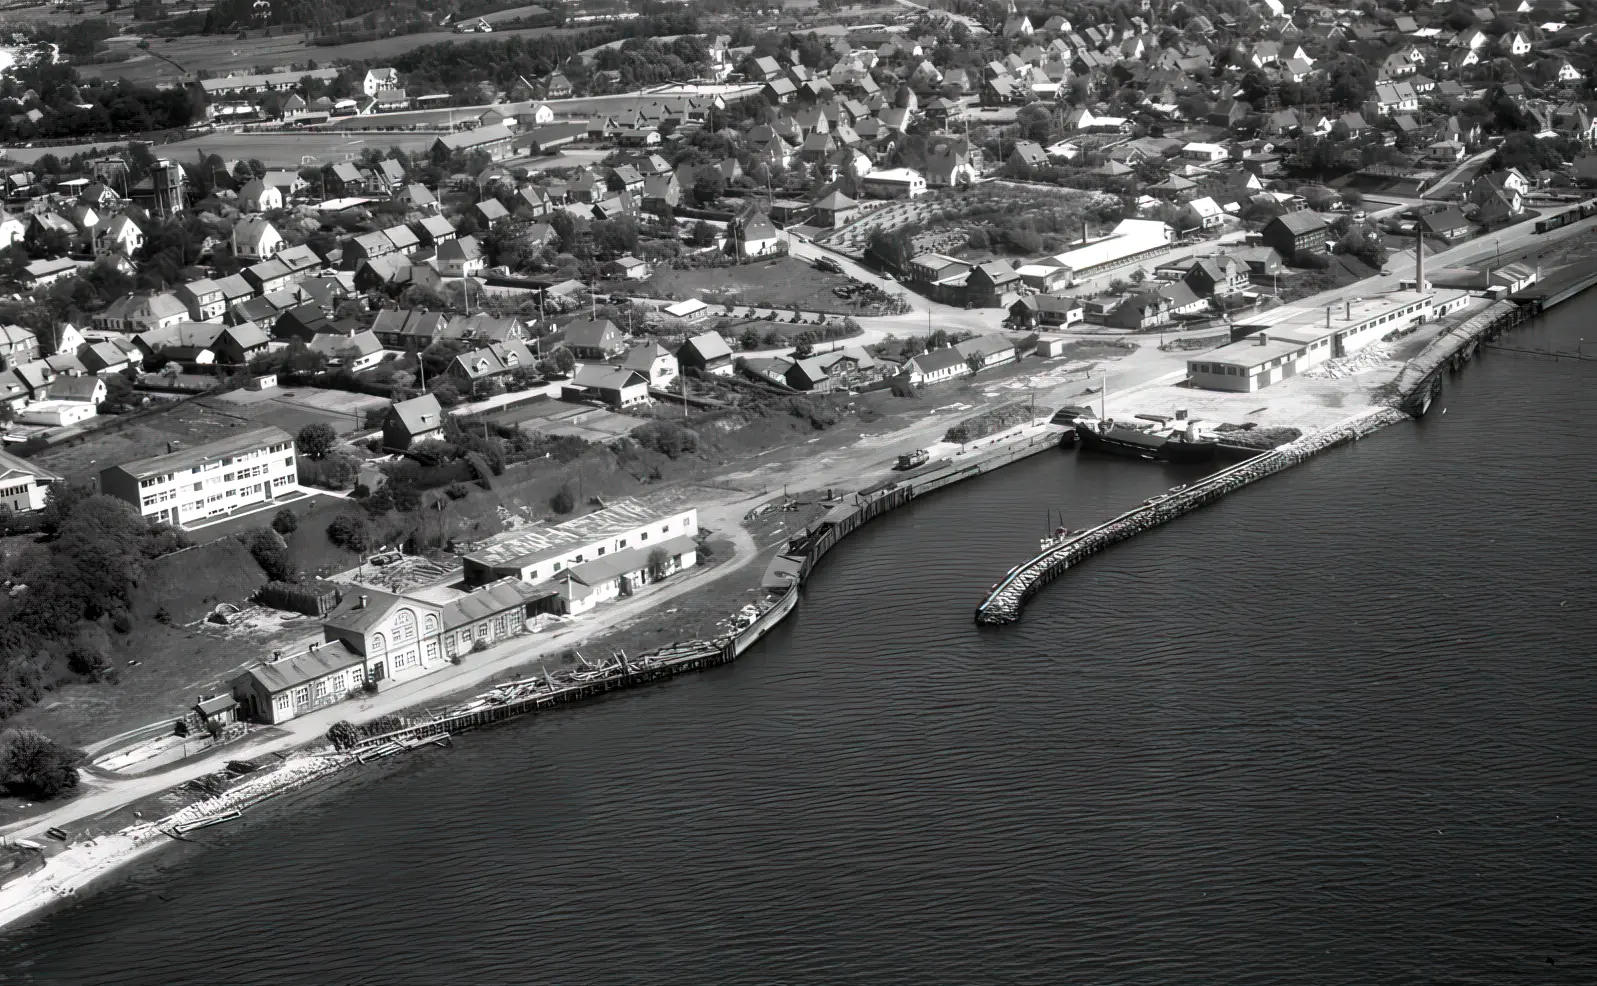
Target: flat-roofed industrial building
column 1281, row 343
column 539, row 554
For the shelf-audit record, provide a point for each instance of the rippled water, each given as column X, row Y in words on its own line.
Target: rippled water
column 1338, row 728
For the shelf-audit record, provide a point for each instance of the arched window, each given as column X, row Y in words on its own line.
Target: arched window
column 404, row 626
column 429, row 624
column 379, row 643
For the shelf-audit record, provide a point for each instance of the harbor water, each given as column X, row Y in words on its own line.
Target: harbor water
column 1339, row 727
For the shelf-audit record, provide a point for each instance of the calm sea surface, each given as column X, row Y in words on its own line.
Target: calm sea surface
column 1340, row 728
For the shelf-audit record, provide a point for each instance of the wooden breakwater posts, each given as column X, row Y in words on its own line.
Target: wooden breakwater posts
column 784, row 577
column 1004, row 601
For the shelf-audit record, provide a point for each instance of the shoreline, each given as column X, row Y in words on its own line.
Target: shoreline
column 73, row 872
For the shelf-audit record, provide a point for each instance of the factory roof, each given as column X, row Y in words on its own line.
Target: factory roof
column 527, row 547
column 1131, row 237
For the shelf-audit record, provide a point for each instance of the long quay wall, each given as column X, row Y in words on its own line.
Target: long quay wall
column 785, row 576
column 1004, row 602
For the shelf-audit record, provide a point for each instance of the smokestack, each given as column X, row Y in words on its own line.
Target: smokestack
column 1347, row 310
column 1328, row 316
column 1419, row 258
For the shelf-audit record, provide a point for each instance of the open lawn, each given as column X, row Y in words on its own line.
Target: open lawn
column 782, row 283
column 292, row 408
column 226, row 54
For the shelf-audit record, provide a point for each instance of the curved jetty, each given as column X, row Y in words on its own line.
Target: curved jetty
column 1004, row 602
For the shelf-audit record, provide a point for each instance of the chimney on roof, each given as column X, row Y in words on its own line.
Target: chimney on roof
column 173, row 446
column 363, row 598
column 1264, row 338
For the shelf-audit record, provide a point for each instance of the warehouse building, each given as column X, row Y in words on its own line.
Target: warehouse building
column 1283, row 342
column 541, row 554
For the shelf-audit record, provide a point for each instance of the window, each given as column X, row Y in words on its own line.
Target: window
column 601, row 551
column 556, row 568
column 644, row 536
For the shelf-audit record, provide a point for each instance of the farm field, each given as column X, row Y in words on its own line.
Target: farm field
column 224, row 54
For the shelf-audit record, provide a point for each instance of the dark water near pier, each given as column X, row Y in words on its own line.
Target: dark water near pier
column 1341, row 727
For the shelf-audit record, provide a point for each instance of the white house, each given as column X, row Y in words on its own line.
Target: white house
column 1208, row 153
column 256, row 239
column 379, row 79
column 119, row 237
column 893, row 183
column 258, row 196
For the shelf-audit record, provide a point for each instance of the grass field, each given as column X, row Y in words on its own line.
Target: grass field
column 782, row 283
column 295, row 407
column 224, row 54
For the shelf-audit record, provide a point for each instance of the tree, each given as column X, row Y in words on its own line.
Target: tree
column 350, row 532
column 59, row 503
column 562, row 502
column 284, row 522
column 559, row 363
column 804, row 350
column 975, row 361
column 703, row 234
column 270, row 551
column 708, row 184
column 33, row 765
column 659, row 564
column 317, row 439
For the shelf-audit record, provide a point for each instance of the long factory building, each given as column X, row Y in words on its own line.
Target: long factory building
column 1271, row 346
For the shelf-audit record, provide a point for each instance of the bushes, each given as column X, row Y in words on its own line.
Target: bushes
column 820, row 416
column 270, row 551
column 33, row 765
column 284, row 522
column 336, row 472
column 350, row 532
column 666, row 437
column 89, row 654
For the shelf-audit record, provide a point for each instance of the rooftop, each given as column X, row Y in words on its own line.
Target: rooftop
column 528, row 546
column 1131, row 237
column 201, row 454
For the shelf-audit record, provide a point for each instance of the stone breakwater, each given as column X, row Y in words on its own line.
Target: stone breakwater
column 1004, row 601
